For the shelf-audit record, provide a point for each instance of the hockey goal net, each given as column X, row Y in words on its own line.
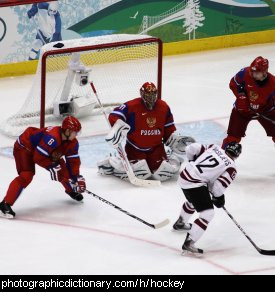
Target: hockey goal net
column 117, row 65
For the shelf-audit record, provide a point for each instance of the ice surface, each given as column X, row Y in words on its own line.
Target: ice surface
column 54, row 235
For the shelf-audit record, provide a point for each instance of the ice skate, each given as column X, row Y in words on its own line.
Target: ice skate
column 75, row 196
column 188, row 247
column 6, row 210
column 180, row 225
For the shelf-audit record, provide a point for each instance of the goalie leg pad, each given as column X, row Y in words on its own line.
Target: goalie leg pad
column 166, row 171
column 118, row 169
column 140, row 169
column 104, row 167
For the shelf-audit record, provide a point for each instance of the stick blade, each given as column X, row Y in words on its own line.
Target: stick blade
column 144, row 182
column 267, row 252
column 161, row 224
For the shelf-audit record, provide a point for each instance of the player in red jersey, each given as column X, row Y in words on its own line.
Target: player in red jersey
column 148, row 125
column 254, row 88
column 46, row 148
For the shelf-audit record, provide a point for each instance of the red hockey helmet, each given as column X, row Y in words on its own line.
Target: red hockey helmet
column 259, row 65
column 148, row 93
column 71, row 123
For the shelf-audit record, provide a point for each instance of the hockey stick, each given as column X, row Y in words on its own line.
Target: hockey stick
column 263, row 116
column 155, row 226
column 125, row 162
column 261, row 251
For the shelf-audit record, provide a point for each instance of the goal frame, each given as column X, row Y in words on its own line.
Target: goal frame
column 95, row 47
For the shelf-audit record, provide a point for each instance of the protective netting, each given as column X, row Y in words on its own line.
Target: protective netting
column 116, row 71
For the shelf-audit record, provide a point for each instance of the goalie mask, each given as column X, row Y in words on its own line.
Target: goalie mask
column 233, row 149
column 148, row 93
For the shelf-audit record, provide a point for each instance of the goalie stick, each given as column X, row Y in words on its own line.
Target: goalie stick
column 261, row 251
column 155, row 226
column 125, row 162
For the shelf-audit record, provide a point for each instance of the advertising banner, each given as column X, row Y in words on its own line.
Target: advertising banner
column 25, row 28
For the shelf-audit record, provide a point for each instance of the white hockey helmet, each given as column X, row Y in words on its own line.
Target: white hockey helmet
column 53, row 7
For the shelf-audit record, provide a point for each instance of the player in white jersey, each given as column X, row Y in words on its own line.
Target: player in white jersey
column 210, row 171
column 48, row 24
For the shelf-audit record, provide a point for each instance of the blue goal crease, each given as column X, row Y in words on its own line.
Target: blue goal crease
column 94, row 149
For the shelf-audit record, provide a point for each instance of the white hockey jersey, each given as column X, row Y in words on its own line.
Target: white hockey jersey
column 46, row 23
column 208, row 166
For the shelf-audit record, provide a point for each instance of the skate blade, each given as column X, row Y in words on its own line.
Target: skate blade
column 6, row 216
column 191, row 254
column 180, row 230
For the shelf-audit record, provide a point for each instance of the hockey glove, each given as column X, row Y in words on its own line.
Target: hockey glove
column 54, row 169
column 56, row 155
column 79, row 185
column 218, row 201
column 118, row 133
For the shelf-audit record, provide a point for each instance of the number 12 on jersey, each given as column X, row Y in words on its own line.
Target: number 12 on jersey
column 208, row 162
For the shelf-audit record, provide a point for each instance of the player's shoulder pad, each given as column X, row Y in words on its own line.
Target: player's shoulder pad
column 242, row 73
column 74, row 147
column 132, row 105
column 163, row 106
column 162, row 102
column 134, row 102
column 75, row 144
column 123, row 107
column 52, row 137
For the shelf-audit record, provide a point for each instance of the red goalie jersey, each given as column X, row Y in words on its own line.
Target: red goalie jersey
column 149, row 128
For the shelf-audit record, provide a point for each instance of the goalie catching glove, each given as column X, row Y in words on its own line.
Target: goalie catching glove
column 118, row 133
column 178, row 143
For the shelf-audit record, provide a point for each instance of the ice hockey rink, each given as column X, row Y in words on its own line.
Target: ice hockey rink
column 54, row 235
